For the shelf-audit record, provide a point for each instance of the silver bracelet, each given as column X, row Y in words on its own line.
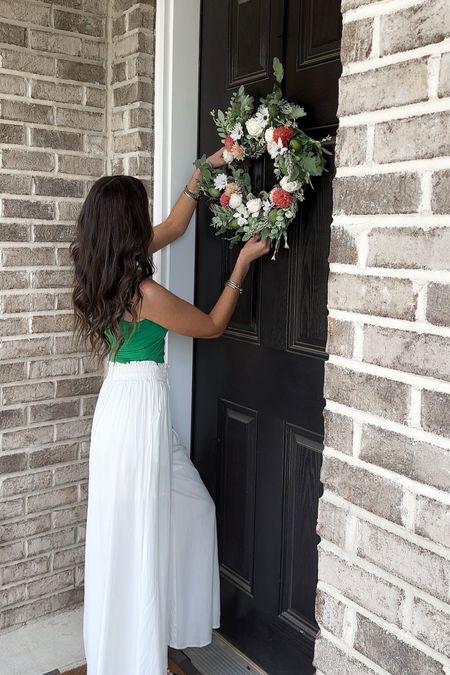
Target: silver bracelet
column 193, row 195
column 233, row 284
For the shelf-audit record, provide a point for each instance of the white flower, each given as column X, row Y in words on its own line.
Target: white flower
column 254, row 128
column 275, row 148
column 220, row 181
column 228, row 157
column 262, row 115
column 289, row 185
column 266, row 206
column 268, row 135
column 254, row 206
column 241, row 214
column 237, row 131
column 235, row 200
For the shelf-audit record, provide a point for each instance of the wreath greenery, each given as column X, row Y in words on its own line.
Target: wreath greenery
column 247, row 135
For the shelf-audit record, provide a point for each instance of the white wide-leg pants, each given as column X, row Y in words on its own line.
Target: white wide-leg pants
column 151, row 559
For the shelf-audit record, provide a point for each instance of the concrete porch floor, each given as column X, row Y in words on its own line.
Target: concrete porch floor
column 53, row 645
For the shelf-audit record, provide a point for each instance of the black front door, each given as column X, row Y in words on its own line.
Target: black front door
column 258, row 390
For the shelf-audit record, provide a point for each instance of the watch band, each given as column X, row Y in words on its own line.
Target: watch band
column 192, row 195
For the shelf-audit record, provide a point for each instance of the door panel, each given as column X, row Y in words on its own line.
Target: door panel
column 248, row 42
column 258, row 389
column 237, row 428
column 313, row 30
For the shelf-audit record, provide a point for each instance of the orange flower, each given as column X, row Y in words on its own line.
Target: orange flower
column 237, row 151
column 285, row 133
column 280, row 197
column 231, row 187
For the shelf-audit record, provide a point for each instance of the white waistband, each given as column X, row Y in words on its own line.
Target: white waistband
column 137, row 369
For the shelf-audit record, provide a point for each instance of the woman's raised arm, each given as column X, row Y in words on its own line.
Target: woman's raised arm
column 180, row 216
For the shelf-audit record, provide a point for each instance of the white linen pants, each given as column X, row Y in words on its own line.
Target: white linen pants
column 151, row 560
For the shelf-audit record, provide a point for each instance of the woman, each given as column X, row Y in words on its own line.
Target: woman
column 151, row 567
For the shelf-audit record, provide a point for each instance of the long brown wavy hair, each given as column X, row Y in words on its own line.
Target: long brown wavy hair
column 110, row 256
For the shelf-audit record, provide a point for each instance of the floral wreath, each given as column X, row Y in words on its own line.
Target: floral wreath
column 247, row 135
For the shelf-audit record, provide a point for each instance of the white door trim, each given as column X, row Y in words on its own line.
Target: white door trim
column 177, row 46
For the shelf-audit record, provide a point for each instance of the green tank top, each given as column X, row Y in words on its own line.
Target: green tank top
column 146, row 343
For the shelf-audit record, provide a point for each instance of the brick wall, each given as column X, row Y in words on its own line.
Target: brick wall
column 72, row 106
column 384, row 518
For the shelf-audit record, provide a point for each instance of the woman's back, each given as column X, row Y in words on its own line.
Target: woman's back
column 143, row 341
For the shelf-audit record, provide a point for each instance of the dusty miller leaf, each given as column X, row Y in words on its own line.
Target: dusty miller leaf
column 278, row 69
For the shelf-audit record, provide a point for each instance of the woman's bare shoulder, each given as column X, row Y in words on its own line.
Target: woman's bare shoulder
column 153, row 295
column 176, row 314
column 150, row 288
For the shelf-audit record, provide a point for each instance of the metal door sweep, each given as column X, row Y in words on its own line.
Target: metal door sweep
column 221, row 658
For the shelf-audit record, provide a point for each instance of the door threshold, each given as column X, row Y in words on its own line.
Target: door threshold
column 221, row 657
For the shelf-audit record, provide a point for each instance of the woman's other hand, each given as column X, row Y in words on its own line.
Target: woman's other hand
column 216, row 159
column 254, row 248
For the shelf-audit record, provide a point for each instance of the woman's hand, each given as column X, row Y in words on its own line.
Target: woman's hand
column 254, row 248
column 216, row 159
